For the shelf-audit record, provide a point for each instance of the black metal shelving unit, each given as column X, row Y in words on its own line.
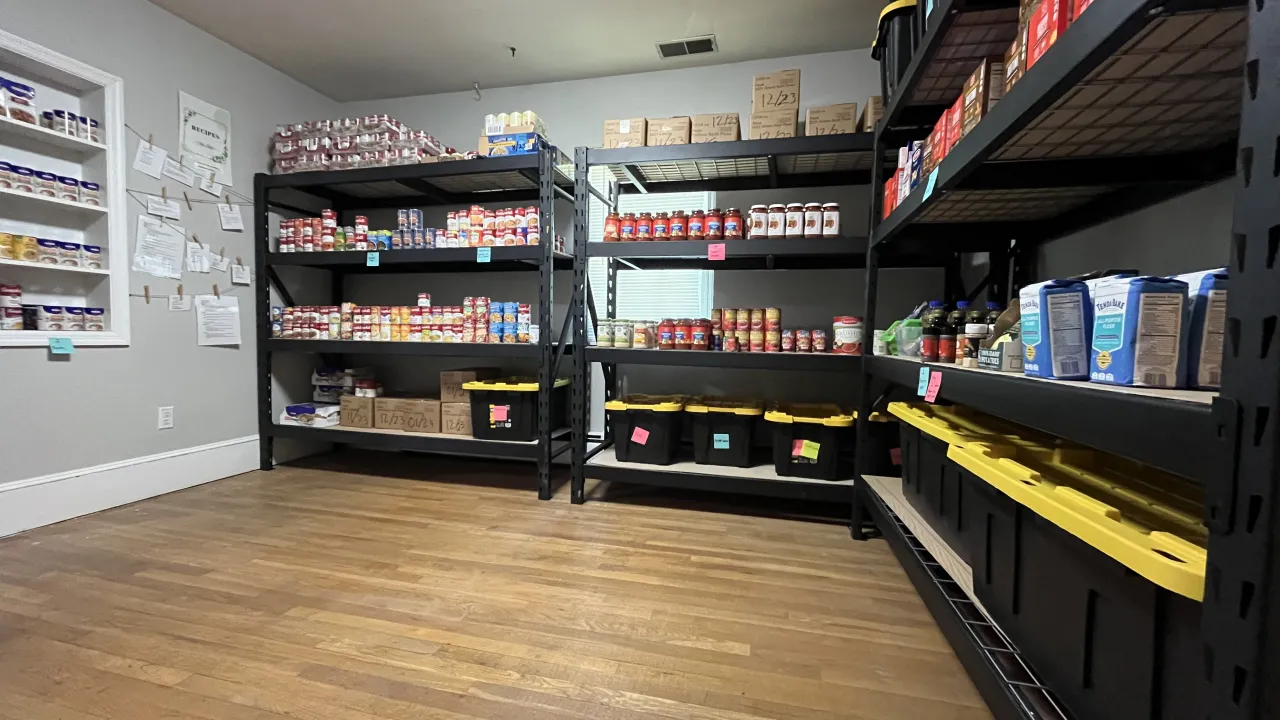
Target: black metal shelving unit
column 744, row 165
column 1137, row 102
column 542, row 178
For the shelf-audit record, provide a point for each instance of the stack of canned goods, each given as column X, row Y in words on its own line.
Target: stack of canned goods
column 476, row 227
column 476, row 320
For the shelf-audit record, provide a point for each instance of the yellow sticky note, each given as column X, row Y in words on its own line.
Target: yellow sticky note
column 809, row 450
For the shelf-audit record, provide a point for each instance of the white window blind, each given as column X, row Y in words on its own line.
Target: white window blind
column 650, row 294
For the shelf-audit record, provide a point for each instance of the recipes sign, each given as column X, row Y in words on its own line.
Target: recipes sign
column 205, row 138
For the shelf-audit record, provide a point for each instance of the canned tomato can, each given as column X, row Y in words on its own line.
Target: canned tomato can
column 804, row 341
column 744, row 339
column 729, row 320
column 717, row 339
column 819, row 340
column 715, row 318
column 772, row 340
column 757, row 319
column 329, row 218
column 846, row 335
column 788, row 340
column 773, row 318
column 362, row 224
column 743, row 316
column 757, row 341
column 730, row 343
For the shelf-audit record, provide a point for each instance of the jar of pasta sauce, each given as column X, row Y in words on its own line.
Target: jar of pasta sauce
column 733, row 224
column 667, row 334
column 795, row 220
column 683, row 334
column 644, row 226
column 715, row 224
column 701, row 338
column 679, row 226
column 697, row 225
column 627, row 227
column 813, row 220
column 830, row 220
column 759, row 222
column 661, row 226
column 612, row 227
column 777, row 221
column 846, row 335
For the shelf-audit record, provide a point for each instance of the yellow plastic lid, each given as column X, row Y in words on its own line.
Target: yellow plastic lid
column 959, row 425
column 889, row 10
column 724, row 405
column 828, row 414
column 1162, row 542
column 511, row 384
column 655, row 403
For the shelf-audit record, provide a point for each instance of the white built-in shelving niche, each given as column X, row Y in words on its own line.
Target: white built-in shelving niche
column 66, row 84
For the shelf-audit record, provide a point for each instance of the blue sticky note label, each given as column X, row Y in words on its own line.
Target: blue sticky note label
column 928, row 185
column 373, row 259
column 483, row 254
column 922, row 387
column 61, row 346
column 720, row 441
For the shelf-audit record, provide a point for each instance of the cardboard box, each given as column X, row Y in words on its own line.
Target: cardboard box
column 716, row 127
column 773, row 124
column 982, row 91
column 503, row 145
column 455, row 418
column 1004, row 355
column 357, row 412
column 871, row 114
column 776, row 91
column 1049, row 19
column 625, row 133
column 1015, row 59
column 421, row 415
column 388, row 413
column 668, row 131
column 451, row 383
column 955, row 124
column 831, row 119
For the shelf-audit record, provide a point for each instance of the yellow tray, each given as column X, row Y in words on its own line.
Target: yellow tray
column 510, row 384
column 1159, row 538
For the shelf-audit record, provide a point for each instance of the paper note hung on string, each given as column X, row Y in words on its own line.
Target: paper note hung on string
column 177, row 171
column 149, row 160
column 208, row 185
column 221, row 264
column 217, row 320
column 180, row 303
column 240, row 275
column 229, row 216
column 198, row 258
column 158, row 248
column 164, row 208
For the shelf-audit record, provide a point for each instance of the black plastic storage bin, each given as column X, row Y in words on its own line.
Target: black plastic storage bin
column 646, row 428
column 895, row 43
column 507, row 409
column 798, row 426
column 723, row 430
column 1111, row 641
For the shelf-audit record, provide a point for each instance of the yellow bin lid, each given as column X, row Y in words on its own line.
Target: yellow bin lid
column 959, row 425
column 827, row 414
column 512, row 384
column 1157, row 535
column 724, row 405
column 655, row 403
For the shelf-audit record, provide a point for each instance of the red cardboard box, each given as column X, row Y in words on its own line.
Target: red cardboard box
column 891, row 194
column 1081, row 5
column 955, row 125
column 1049, row 19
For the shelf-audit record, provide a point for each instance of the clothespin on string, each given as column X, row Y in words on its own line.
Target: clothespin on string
column 216, row 293
column 146, row 293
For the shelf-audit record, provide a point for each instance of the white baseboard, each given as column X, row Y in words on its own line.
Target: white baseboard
column 38, row 501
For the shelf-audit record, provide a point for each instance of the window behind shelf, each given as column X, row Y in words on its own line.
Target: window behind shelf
column 650, row 294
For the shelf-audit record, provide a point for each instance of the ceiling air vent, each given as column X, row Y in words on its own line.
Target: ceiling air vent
column 687, row 46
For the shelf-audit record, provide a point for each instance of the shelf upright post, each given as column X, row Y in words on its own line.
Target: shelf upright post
column 863, row 437
column 262, row 291
column 581, row 390
column 1241, row 625
column 546, row 276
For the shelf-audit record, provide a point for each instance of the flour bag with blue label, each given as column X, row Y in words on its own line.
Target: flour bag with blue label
column 1056, row 319
column 1138, row 328
column 1207, row 295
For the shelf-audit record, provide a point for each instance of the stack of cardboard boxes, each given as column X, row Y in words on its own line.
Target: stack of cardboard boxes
column 449, row 415
column 775, row 107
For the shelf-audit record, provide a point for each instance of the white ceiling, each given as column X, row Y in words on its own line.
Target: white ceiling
column 370, row 49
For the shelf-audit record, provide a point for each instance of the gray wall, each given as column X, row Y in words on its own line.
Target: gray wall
column 101, row 406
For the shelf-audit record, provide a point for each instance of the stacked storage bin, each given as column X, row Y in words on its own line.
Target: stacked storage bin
column 507, row 409
column 1093, row 565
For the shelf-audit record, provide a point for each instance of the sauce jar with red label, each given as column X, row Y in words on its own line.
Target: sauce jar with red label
column 697, row 225
column 813, row 220
column 679, row 226
column 701, row 339
column 733, row 224
column 612, row 227
column 627, row 227
column 715, row 224
column 777, row 221
column 661, row 226
column 667, row 335
column 644, row 226
column 683, row 334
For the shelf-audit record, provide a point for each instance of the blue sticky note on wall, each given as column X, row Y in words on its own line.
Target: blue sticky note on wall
column 483, row 254
column 61, row 346
column 928, row 185
column 720, row 441
column 922, row 387
column 373, row 259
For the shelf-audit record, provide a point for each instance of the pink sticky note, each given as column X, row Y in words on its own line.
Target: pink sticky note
column 895, row 455
column 796, row 448
column 715, row 251
column 640, row 436
column 935, row 383
column 500, row 413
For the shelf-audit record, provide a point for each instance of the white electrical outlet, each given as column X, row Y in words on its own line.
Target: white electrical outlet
column 166, row 418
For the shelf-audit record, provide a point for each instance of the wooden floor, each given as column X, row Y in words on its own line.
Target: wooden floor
column 308, row 593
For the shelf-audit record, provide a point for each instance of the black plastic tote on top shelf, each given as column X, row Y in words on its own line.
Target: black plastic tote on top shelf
column 723, row 430
column 646, row 428
column 895, row 43
column 507, row 408
column 812, row 441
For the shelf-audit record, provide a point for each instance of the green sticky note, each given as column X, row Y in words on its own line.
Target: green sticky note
column 928, row 185
column 809, row 450
column 373, row 259
column 61, row 346
column 483, row 254
column 720, row 441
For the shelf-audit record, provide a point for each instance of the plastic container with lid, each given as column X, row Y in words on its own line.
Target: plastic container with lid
column 715, row 224
column 847, row 335
column 813, row 220
column 795, row 220
column 817, row 441
column 733, row 224
column 723, row 430
column 679, row 226
column 759, row 222
column 646, row 428
column 777, row 221
column 507, row 408
column 830, row 220
column 697, row 225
